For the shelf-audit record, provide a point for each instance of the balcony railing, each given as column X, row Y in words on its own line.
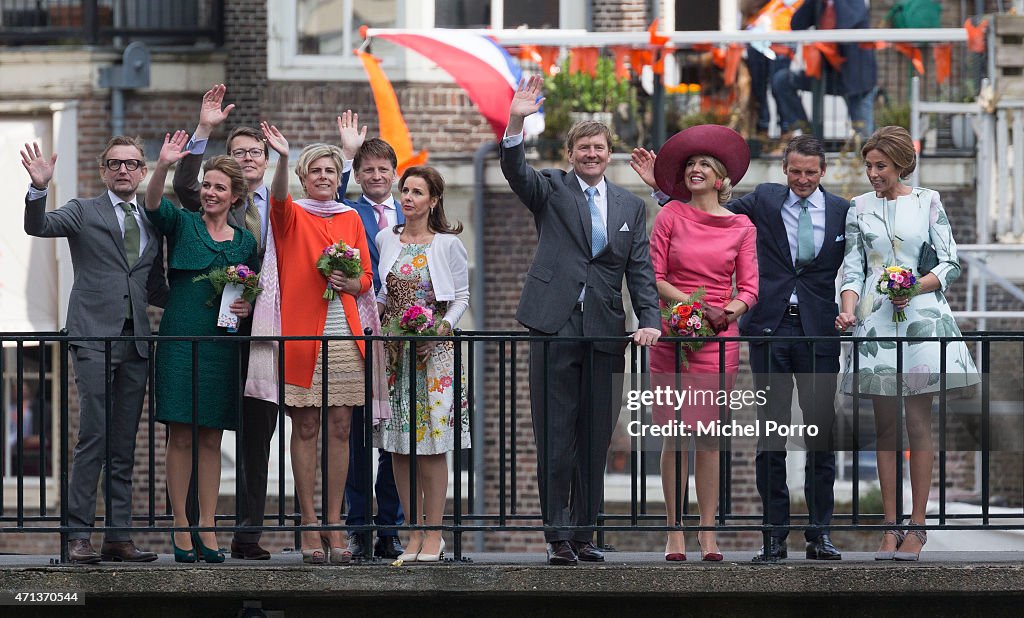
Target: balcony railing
column 988, row 429
column 111, row 22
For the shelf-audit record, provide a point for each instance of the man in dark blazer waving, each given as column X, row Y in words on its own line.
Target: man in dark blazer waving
column 114, row 250
column 592, row 233
column 799, row 253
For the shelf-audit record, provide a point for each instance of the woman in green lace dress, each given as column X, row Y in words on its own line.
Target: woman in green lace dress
column 197, row 244
column 887, row 227
column 423, row 263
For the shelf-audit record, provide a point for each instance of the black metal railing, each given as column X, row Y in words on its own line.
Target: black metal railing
column 988, row 429
column 104, row 22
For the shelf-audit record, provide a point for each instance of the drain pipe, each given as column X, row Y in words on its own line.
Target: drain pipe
column 478, row 306
column 131, row 74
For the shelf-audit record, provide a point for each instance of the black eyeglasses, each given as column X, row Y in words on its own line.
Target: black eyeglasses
column 129, row 164
column 255, row 153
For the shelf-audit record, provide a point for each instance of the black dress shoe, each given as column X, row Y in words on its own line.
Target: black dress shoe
column 561, row 553
column 775, row 551
column 822, row 548
column 248, row 551
column 587, row 551
column 388, row 547
column 80, row 551
column 124, row 551
column 358, row 543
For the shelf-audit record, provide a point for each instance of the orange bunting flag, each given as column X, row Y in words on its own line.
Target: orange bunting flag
column 548, row 58
column 812, row 58
column 733, row 55
column 942, row 53
column 639, row 58
column 913, row 53
column 976, row 36
column 656, row 39
column 621, row 53
column 393, row 129
column 529, row 53
column 583, row 60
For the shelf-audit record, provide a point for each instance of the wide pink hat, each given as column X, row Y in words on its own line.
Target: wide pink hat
column 720, row 142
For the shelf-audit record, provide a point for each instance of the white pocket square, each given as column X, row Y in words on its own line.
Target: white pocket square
column 840, row 238
column 624, row 228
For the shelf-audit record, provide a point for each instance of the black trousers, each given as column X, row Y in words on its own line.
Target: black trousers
column 572, row 395
column 777, row 366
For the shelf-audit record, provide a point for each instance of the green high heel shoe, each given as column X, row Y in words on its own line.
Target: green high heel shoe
column 211, row 556
column 183, row 555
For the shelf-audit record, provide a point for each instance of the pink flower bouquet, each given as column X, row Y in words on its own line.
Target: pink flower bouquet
column 339, row 256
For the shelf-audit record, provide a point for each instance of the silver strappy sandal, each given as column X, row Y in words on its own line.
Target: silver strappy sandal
column 896, row 532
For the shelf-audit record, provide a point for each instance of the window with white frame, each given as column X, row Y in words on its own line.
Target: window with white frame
column 34, row 455
column 314, row 39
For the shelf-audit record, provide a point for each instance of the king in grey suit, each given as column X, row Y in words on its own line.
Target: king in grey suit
column 108, row 299
column 574, row 288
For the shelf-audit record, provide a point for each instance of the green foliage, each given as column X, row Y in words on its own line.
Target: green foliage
column 581, row 92
column 893, row 115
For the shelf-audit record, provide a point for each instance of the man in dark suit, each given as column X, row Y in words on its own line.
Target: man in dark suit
column 259, row 418
column 374, row 165
column 113, row 250
column 591, row 234
column 799, row 253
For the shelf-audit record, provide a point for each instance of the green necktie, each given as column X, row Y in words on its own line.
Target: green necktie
column 804, row 237
column 252, row 220
column 131, row 234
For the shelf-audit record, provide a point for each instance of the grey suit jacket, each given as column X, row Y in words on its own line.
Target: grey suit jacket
column 103, row 280
column 562, row 264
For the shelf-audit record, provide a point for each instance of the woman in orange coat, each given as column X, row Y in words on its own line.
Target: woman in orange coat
column 302, row 229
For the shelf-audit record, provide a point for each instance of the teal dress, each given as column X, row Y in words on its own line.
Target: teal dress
column 192, row 252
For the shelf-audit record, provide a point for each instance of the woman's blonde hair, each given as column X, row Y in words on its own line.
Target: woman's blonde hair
column 725, row 191
column 312, row 153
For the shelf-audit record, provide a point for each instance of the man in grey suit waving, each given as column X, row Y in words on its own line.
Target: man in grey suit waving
column 592, row 233
column 113, row 247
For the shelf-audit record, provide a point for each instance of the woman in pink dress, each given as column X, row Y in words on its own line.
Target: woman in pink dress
column 697, row 243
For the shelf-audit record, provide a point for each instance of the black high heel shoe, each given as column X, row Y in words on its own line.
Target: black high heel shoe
column 183, row 555
column 211, row 556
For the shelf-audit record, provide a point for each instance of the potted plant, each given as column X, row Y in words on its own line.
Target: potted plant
column 604, row 97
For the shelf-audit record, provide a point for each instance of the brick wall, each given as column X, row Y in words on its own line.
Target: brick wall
column 618, row 15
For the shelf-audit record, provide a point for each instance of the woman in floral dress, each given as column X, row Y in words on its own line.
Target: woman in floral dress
column 423, row 263
column 888, row 227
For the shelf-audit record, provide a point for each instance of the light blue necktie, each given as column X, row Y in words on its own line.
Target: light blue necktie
column 598, row 235
column 804, row 237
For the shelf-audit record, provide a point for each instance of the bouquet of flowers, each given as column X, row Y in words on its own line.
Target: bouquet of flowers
column 686, row 319
column 416, row 320
column 897, row 282
column 339, row 256
column 231, row 283
column 240, row 275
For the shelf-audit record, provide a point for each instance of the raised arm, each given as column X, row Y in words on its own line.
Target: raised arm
column 39, row 168
column 277, row 142
column 642, row 162
column 526, row 101
column 65, row 221
column 212, row 112
column 171, row 152
column 352, row 137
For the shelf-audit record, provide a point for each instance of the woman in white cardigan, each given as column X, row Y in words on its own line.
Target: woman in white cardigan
column 423, row 263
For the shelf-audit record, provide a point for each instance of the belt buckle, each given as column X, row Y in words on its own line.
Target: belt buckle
column 793, row 310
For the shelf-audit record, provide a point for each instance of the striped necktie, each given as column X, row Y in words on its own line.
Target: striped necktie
column 252, row 219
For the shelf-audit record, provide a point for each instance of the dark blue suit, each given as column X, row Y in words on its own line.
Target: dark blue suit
column 389, row 508
column 775, row 364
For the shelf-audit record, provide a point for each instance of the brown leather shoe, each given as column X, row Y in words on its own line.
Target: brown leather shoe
column 80, row 551
column 248, row 551
column 124, row 551
column 587, row 551
column 560, row 553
